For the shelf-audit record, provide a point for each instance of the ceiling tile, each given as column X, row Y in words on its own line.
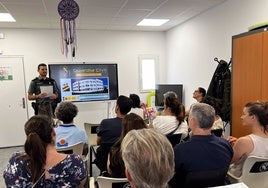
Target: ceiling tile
column 105, row 14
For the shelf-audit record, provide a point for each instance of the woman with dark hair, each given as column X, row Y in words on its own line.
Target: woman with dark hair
column 67, row 132
column 136, row 105
column 218, row 123
column 255, row 116
column 115, row 164
column 198, row 95
column 41, row 165
column 172, row 119
column 45, row 108
column 136, row 100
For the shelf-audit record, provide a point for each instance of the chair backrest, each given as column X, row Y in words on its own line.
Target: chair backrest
column 76, row 148
column 255, row 172
column 91, row 131
column 217, row 132
column 174, row 139
column 107, row 182
column 209, row 178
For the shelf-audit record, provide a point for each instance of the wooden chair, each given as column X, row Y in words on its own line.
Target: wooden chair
column 91, row 131
column 76, row 148
column 254, row 172
column 107, row 182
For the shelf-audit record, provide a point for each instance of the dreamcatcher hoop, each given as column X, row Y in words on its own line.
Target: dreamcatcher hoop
column 68, row 10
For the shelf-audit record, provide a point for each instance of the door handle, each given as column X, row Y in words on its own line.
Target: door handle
column 23, row 103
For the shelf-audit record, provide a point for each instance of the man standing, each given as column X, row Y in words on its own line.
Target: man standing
column 204, row 151
column 43, row 89
column 110, row 130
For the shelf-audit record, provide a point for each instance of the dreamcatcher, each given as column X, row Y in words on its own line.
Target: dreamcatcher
column 68, row 10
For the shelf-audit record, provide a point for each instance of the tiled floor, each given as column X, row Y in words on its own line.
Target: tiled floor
column 5, row 154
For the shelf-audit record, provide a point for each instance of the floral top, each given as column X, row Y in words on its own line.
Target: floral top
column 67, row 173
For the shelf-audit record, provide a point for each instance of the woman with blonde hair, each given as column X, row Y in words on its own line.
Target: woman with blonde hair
column 149, row 159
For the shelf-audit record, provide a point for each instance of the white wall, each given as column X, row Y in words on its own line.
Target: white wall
column 123, row 48
column 186, row 52
column 192, row 46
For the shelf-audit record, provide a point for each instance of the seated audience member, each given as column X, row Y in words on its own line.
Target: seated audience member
column 255, row 116
column 67, row 133
column 115, row 164
column 172, row 119
column 218, row 123
column 198, row 95
column 148, row 158
column 136, row 105
column 41, row 165
column 204, row 151
column 45, row 108
column 109, row 131
column 170, row 94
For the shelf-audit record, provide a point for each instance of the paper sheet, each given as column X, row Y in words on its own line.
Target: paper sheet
column 47, row 89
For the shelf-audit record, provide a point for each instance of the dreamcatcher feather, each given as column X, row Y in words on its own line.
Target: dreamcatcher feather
column 68, row 10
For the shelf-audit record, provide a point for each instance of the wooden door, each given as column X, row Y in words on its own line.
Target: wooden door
column 246, row 77
column 264, row 82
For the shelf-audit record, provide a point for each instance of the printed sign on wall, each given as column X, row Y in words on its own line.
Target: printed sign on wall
column 6, row 73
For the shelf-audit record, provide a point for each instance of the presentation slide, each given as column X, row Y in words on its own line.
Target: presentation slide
column 85, row 82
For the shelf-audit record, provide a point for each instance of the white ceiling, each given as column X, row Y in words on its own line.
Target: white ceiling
column 105, row 14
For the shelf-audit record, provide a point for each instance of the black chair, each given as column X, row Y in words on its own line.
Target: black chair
column 174, row 139
column 102, row 155
column 217, row 132
column 202, row 179
column 91, row 130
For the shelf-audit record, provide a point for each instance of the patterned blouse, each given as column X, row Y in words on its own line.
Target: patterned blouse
column 67, row 173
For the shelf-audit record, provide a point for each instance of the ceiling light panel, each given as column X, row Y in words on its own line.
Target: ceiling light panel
column 152, row 22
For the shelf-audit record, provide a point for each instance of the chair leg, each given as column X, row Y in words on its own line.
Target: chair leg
column 90, row 162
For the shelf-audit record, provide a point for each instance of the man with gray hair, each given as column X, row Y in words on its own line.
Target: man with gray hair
column 170, row 94
column 204, row 151
column 148, row 158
